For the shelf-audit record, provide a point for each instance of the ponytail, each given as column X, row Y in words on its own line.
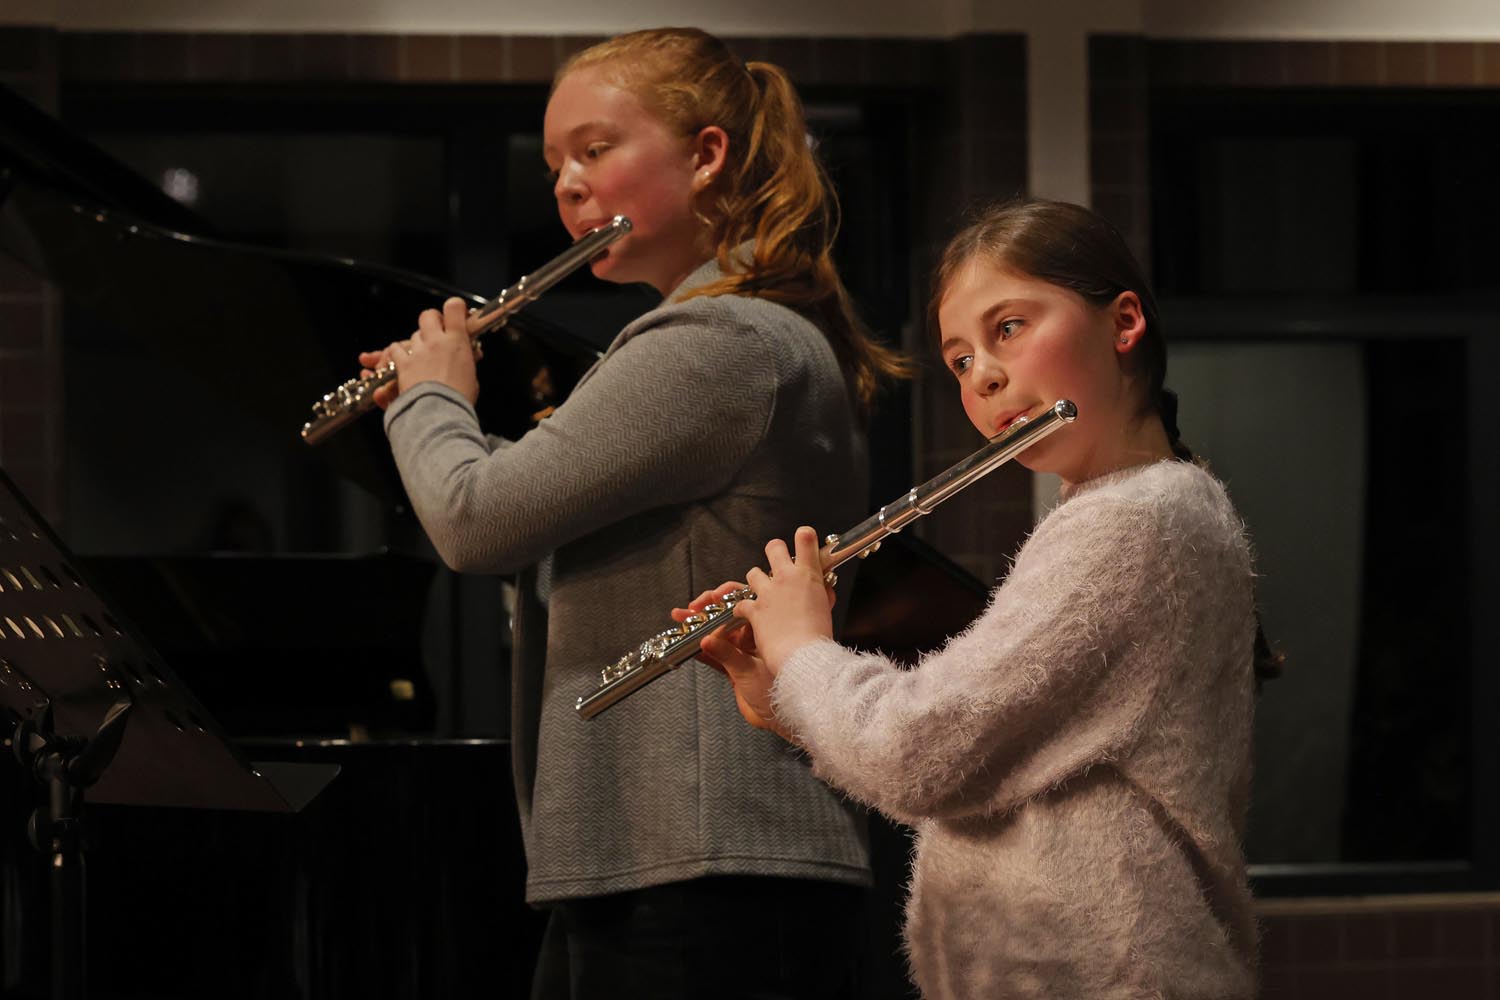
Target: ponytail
column 780, row 199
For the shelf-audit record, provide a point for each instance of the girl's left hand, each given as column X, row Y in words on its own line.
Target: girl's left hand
column 439, row 351
column 792, row 606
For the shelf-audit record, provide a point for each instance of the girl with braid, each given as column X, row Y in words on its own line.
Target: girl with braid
column 730, row 413
column 1076, row 763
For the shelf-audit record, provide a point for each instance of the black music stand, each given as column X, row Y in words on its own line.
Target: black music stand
column 100, row 712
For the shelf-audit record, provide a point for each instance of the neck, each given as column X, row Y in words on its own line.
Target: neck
column 669, row 287
column 1142, row 441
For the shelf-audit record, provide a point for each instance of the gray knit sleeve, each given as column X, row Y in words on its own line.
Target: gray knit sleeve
column 1032, row 690
column 668, row 417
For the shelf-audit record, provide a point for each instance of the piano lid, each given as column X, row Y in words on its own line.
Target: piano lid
column 270, row 330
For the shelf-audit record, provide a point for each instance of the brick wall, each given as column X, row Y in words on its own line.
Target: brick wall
column 971, row 149
column 31, row 410
column 1119, row 137
column 1125, row 69
column 1324, row 64
column 1381, row 948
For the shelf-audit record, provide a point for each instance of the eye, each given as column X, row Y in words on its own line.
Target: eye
column 1009, row 328
column 551, row 175
column 594, row 150
column 961, row 363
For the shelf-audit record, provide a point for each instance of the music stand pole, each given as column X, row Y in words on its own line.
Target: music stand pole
column 65, row 766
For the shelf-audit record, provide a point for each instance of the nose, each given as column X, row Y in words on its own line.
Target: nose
column 569, row 187
column 989, row 376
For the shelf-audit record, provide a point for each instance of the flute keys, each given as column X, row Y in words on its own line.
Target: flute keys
column 614, row 670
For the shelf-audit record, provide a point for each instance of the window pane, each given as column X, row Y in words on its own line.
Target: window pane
column 1362, row 747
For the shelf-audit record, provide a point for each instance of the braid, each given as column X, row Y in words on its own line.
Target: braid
column 1166, row 407
column 1268, row 662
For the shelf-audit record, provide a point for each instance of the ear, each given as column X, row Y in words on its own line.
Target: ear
column 710, row 152
column 1128, row 321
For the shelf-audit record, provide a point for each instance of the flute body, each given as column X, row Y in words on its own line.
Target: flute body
column 673, row 647
column 357, row 396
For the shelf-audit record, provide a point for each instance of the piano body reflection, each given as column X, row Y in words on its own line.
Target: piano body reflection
column 404, row 878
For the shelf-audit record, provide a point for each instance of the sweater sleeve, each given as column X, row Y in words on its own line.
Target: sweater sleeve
column 1050, row 679
column 668, row 417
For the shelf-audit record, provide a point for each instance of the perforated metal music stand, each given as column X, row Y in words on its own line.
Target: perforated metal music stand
column 99, row 713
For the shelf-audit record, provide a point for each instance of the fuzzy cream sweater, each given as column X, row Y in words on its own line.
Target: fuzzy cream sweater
column 1076, row 764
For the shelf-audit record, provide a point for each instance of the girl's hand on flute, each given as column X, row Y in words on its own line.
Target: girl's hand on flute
column 731, row 651
column 439, row 351
column 373, row 361
column 792, row 606
column 735, row 632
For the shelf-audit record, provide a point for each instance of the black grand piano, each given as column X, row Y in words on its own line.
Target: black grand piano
column 404, row 877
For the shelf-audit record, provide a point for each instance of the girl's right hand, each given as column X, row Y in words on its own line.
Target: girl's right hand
column 439, row 350
column 731, row 651
column 737, row 632
column 373, row 361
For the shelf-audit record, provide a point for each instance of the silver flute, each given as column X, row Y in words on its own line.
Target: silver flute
column 356, row 396
column 670, row 649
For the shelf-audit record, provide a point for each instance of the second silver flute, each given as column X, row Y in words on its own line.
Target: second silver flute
column 669, row 649
column 357, row 395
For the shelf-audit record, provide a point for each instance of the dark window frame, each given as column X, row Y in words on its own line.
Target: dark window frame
column 1477, row 325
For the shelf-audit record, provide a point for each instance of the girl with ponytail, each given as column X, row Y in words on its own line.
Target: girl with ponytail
column 731, row 412
column 1077, row 762
column 767, row 212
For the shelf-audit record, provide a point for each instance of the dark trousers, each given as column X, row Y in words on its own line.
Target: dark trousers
column 719, row 937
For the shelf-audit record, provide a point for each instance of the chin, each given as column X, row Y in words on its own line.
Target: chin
column 1041, row 458
column 605, row 269
column 1032, row 464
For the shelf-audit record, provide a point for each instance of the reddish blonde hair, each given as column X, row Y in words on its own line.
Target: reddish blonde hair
column 772, row 190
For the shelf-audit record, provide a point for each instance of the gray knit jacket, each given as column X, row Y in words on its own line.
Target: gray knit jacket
column 709, row 426
column 1076, row 763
